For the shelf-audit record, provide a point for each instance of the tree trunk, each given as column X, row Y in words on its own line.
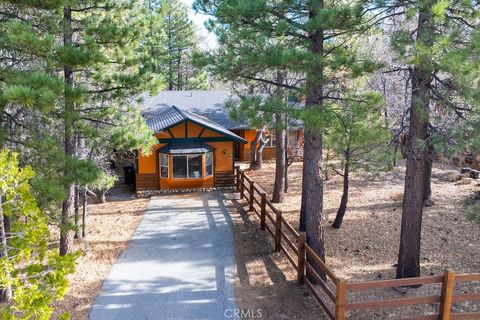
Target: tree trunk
column 285, row 185
column 256, row 153
column 84, row 214
column 409, row 251
column 278, row 188
column 259, row 154
column 66, row 234
column 326, row 166
column 312, row 180
column 77, row 212
column 253, row 151
column 179, row 72
column 6, row 294
column 103, row 196
column 427, row 192
column 343, row 202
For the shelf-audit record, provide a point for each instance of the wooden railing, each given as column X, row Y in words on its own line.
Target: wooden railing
column 442, row 295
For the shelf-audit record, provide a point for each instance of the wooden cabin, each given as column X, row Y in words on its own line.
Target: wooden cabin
column 192, row 152
column 211, row 105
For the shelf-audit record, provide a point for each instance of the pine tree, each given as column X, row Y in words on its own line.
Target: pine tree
column 441, row 55
column 307, row 38
column 176, row 46
column 358, row 137
column 88, row 61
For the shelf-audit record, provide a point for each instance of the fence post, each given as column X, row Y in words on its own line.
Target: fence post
column 252, row 193
column 278, row 229
column 242, row 184
column 448, row 286
column 301, row 259
column 237, row 174
column 263, row 210
column 341, row 299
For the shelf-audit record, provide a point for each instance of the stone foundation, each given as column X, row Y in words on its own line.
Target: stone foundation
column 149, row 193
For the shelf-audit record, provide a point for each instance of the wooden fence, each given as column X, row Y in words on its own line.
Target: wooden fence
column 445, row 297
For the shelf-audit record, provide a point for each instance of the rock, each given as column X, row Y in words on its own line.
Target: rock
column 465, row 170
column 474, row 174
column 464, row 181
column 454, row 177
column 428, row 202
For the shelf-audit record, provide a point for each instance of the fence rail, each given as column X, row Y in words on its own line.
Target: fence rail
column 342, row 300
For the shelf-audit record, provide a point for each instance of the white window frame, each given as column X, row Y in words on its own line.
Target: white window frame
column 270, row 142
column 188, row 173
column 208, row 164
column 162, row 166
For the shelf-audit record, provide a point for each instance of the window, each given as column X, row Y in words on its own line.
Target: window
column 271, row 140
column 195, row 166
column 292, row 138
column 209, row 163
column 163, row 165
column 189, row 166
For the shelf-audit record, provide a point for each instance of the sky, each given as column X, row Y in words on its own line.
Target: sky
column 208, row 40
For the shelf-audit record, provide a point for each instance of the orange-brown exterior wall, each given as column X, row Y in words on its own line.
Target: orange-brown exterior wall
column 148, row 176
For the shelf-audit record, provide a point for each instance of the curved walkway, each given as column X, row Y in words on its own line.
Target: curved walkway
column 179, row 265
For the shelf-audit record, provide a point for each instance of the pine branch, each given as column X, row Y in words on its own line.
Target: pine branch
column 282, row 85
column 90, row 8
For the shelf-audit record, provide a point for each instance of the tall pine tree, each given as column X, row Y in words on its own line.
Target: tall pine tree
column 174, row 53
column 75, row 69
column 441, row 54
column 302, row 37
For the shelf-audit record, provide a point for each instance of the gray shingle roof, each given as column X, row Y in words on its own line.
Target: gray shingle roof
column 209, row 104
column 171, row 116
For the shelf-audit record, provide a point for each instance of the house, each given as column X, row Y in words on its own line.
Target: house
column 192, row 152
column 211, row 105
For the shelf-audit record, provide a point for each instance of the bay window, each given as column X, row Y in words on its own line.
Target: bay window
column 187, row 166
column 209, row 163
column 163, row 165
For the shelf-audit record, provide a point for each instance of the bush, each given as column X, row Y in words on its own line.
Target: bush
column 32, row 275
column 473, row 207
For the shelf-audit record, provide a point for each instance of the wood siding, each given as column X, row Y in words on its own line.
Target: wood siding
column 224, row 179
column 147, row 181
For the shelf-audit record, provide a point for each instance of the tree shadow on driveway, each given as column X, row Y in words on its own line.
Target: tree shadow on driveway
column 179, row 265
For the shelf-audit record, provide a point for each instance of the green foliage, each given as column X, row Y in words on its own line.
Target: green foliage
column 259, row 38
column 36, row 274
column 448, row 49
column 173, row 42
column 104, row 181
column 110, row 65
column 356, row 132
column 472, row 204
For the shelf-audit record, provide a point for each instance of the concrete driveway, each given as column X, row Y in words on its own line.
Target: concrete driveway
column 179, row 265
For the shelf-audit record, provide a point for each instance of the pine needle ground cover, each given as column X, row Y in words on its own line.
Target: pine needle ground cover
column 111, row 227
column 366, row 246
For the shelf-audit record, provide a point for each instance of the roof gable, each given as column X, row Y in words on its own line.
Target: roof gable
column 173, row 116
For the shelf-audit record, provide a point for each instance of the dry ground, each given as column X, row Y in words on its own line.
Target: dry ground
column 111, row 226
column 366, row 246
column 265, row 280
